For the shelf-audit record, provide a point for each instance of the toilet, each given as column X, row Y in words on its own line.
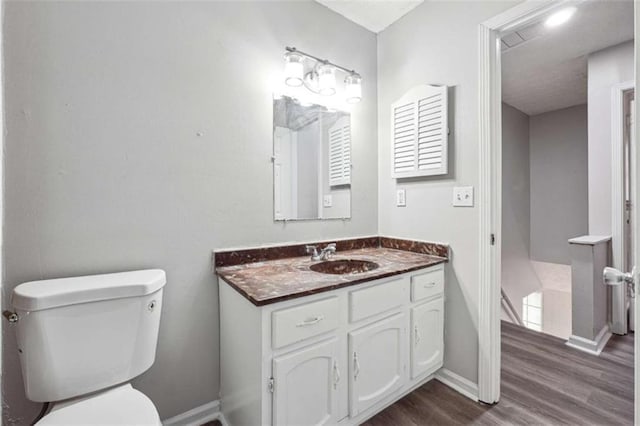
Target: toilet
column 82, row 339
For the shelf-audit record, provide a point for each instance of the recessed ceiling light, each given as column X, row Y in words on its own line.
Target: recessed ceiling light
column 560, row 17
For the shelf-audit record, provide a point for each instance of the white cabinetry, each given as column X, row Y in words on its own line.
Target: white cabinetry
column 427, row 337
column 337, row 357
column 307, row 381
column 378, row 363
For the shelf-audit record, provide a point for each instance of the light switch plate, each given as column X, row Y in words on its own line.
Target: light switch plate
column 401, row 198
column 463, row 196
column 327, row 201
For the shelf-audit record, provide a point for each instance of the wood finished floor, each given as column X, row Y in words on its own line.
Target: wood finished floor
column 544, row 382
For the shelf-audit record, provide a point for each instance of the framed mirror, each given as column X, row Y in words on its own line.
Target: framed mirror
column 311, row 161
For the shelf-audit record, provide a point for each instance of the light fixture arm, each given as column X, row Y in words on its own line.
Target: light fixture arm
column 319, row 60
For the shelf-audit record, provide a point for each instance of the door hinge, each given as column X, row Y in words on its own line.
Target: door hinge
column 271, row 385
column 493, row 239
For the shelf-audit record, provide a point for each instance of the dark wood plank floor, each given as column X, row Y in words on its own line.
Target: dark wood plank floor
column 544, row 382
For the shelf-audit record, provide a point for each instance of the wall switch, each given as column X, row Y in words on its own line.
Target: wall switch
column 327, row 201
column 401, row 198
column 463, row 196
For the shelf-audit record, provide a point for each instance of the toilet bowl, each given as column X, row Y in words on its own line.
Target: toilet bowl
column 122, row 405
column 82, row 339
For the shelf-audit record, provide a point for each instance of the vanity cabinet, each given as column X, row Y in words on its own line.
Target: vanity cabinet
column 307, row 381
column 427, row 337
column 336, row 357
column 377, row 367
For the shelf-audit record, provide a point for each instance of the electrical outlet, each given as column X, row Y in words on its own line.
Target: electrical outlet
column 327, row 201
column 401, row 198
column 463, row 196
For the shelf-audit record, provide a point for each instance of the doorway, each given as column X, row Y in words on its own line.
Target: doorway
column 490, row 203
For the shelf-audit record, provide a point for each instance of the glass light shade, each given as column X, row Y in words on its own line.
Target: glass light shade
column 326, row 80
column 353, row 88
column 293, row 69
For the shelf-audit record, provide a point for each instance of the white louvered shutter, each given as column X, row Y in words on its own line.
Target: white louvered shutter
column 419, row 132
column 340, row 152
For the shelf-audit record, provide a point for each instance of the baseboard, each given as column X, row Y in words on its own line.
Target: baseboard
column 458, row 383
column 593, row 347
column 197, row 416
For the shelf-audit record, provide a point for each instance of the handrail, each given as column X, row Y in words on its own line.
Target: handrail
column 509, row 309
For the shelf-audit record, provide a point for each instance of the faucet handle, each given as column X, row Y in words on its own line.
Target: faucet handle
column 311, row 250
column 331, row 246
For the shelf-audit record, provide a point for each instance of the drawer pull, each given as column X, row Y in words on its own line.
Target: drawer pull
column 336, row 375
column 417, row 335
column 430, row 285
column 310, row 321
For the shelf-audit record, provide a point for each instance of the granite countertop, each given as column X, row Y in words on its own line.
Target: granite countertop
column 271, row 281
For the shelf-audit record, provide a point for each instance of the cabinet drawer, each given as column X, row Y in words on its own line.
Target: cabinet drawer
column 376, row 299
column 427, row 284
column 304, row 321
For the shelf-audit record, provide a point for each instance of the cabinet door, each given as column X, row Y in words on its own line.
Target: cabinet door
column 377, row 362
column 427, row 337
column 305, row 383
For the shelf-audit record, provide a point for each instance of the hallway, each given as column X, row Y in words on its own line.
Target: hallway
column 543, row 382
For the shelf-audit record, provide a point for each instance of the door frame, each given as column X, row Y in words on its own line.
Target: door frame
column 490, row 184
column 636, row 218
column 617, row 198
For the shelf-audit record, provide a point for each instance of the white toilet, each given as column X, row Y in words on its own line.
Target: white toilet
column 81, row 340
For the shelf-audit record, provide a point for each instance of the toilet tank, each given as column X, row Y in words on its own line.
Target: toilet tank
column 83, row 334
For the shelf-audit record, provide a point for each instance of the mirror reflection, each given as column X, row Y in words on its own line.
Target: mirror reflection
column 311, row 161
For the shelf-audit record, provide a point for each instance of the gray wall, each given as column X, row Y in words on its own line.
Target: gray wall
column 559, row 182
column 437, row 43
column 606, row 68
column 106, row 171
column 518, row 277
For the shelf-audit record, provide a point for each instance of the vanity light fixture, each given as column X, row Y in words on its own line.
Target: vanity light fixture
column 353, row 88
column 326, row 80
column 320, row 75
column 293, row 69
column 560, row 17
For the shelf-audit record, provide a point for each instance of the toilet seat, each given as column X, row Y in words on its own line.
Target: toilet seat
column 122, row 405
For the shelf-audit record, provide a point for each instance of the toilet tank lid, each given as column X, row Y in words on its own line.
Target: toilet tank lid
column 46, row 294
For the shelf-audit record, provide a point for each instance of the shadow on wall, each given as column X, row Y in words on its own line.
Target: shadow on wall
column 519, row 278
column 457, row 352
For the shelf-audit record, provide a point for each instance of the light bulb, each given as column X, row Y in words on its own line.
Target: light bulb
column 326, row 80
column 560, row 17
column 293, row 69
column 353, row 88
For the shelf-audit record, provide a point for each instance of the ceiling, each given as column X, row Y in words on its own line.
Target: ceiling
column 374, row 15
column 546, row 69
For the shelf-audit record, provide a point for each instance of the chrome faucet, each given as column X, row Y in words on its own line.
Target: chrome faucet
column 324, row 253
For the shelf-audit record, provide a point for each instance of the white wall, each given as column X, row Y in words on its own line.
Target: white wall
column 606, row 68
column 559, row 189
column 518, row 275
column 106, row 171
column 437, row 43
